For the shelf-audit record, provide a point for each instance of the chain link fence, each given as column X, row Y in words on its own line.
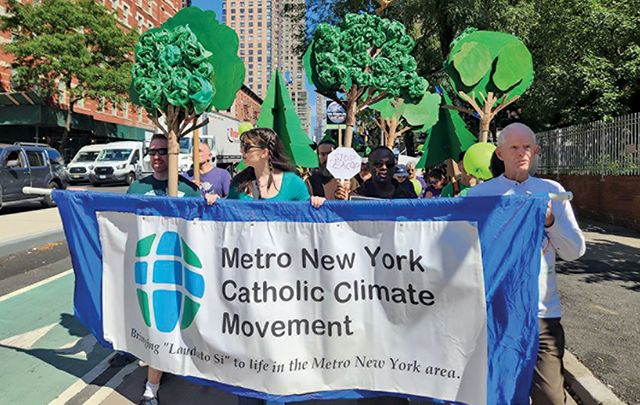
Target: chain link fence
column 605, row 148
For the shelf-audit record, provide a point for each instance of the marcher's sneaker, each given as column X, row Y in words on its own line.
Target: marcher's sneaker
column 148, row 401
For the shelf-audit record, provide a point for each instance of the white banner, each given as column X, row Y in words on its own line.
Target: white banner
column 294, row 308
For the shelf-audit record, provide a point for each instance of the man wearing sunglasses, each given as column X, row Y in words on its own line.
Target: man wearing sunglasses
column 382, row 164
column 157, row 183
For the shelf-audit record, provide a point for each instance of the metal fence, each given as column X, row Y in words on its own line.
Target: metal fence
column 610, row 148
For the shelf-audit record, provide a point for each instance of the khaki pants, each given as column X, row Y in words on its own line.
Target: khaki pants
column 548, row 378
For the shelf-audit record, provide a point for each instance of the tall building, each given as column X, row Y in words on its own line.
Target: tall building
column 321, row 117
column 267, row 42
column 92, row 121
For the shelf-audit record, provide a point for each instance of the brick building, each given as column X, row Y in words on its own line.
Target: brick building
column 25, row 117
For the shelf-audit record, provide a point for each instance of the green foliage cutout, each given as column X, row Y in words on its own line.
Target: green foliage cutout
column 189, row 62
column 367, row 51
column 279, row 113
column 486, row 61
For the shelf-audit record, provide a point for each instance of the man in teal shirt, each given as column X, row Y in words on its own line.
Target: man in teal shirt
column 157, row 184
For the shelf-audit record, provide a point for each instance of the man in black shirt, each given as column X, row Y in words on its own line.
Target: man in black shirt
column 382, row 163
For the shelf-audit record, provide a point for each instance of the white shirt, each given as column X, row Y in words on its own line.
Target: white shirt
column 563, row 238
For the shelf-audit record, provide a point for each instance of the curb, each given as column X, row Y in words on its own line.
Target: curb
column 31, row 241
column 588, row 389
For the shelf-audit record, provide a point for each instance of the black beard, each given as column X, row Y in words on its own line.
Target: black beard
column 324, row 172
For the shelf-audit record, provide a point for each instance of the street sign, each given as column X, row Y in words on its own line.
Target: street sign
column 344, row 163
column 335, row 113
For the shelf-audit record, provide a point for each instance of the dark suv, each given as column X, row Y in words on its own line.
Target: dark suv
column 29, row 166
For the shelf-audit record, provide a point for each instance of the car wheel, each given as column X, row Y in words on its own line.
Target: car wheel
column 48, row 200
column 131, row 177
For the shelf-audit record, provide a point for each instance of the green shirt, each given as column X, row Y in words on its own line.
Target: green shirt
column 448, row 191
column 150, row 186
column 292, row 189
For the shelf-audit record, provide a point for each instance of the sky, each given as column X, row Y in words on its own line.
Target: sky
column 216, row 6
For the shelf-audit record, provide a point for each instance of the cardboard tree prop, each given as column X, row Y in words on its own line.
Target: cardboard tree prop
column 489, row 70
column 279, row 113
column 447, row 138
column 398, row 116
column 182, row 70
column 362, row 61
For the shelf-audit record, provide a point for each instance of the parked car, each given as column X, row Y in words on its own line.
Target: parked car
column 29, row 166
column 83, row 163
column 119, row 162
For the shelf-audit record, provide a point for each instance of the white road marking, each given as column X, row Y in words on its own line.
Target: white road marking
column 79, row 385
column 26, row 340
column 112, row 384
column 35, row 285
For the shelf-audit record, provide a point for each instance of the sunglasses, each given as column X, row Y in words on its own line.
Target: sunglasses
column 161, row 152
column 389, row 165
column 247, row 147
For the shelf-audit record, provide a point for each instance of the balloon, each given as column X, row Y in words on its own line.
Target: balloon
column 244, row 127
column 478, row 159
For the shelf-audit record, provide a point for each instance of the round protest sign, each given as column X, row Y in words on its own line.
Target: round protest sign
column 344, row 163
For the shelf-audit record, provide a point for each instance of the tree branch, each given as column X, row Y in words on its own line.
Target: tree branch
column 194, row 126
column 505, row 103
column 157, row 124
column 471, row 101
column 461, row 109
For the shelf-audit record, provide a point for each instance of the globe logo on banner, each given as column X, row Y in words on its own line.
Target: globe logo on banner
column 164, row 275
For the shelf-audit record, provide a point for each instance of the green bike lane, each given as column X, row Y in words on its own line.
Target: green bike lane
column 44, row 349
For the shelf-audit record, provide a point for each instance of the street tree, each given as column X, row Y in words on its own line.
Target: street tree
column 74, row 43
column 361, row 61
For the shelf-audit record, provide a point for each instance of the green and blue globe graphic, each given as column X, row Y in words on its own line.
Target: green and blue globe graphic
column 169, row 287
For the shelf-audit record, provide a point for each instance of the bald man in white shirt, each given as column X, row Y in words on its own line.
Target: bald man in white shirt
column 518, row 149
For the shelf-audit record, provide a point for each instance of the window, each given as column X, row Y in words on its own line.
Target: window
column 242, row 24
column 250, row 58
column 250, row 66
column 259, row 58
column 233, row 17
column 241, row 52
column 242, row 10
column 55, row 159
column 250, row 52
column 35, row 158
column 242, row 31
column 251, row 24
column 259, row 86
column 114, row 4
column 250, row 44
column 233, row 11
column 125, row 109
column 250, row 37
column 251, row 31
column 139, row 3
column 259, row 37
column 150, row 7
column 125, row 14
column 14, row 155
column 259, row 30
column 101, row 104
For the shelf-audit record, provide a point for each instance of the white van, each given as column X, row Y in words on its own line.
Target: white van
column 119, row 162
column 82, row 164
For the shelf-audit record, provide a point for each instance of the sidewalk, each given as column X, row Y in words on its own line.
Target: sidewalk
column 26, row 230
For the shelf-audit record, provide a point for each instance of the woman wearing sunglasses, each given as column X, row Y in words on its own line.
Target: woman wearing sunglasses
column 269, row 175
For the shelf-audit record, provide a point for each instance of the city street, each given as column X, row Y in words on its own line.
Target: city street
column 50, row 357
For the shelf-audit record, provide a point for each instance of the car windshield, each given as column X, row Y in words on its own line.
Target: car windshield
column 185, row 145
column 82, row 157
column 114, row 155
